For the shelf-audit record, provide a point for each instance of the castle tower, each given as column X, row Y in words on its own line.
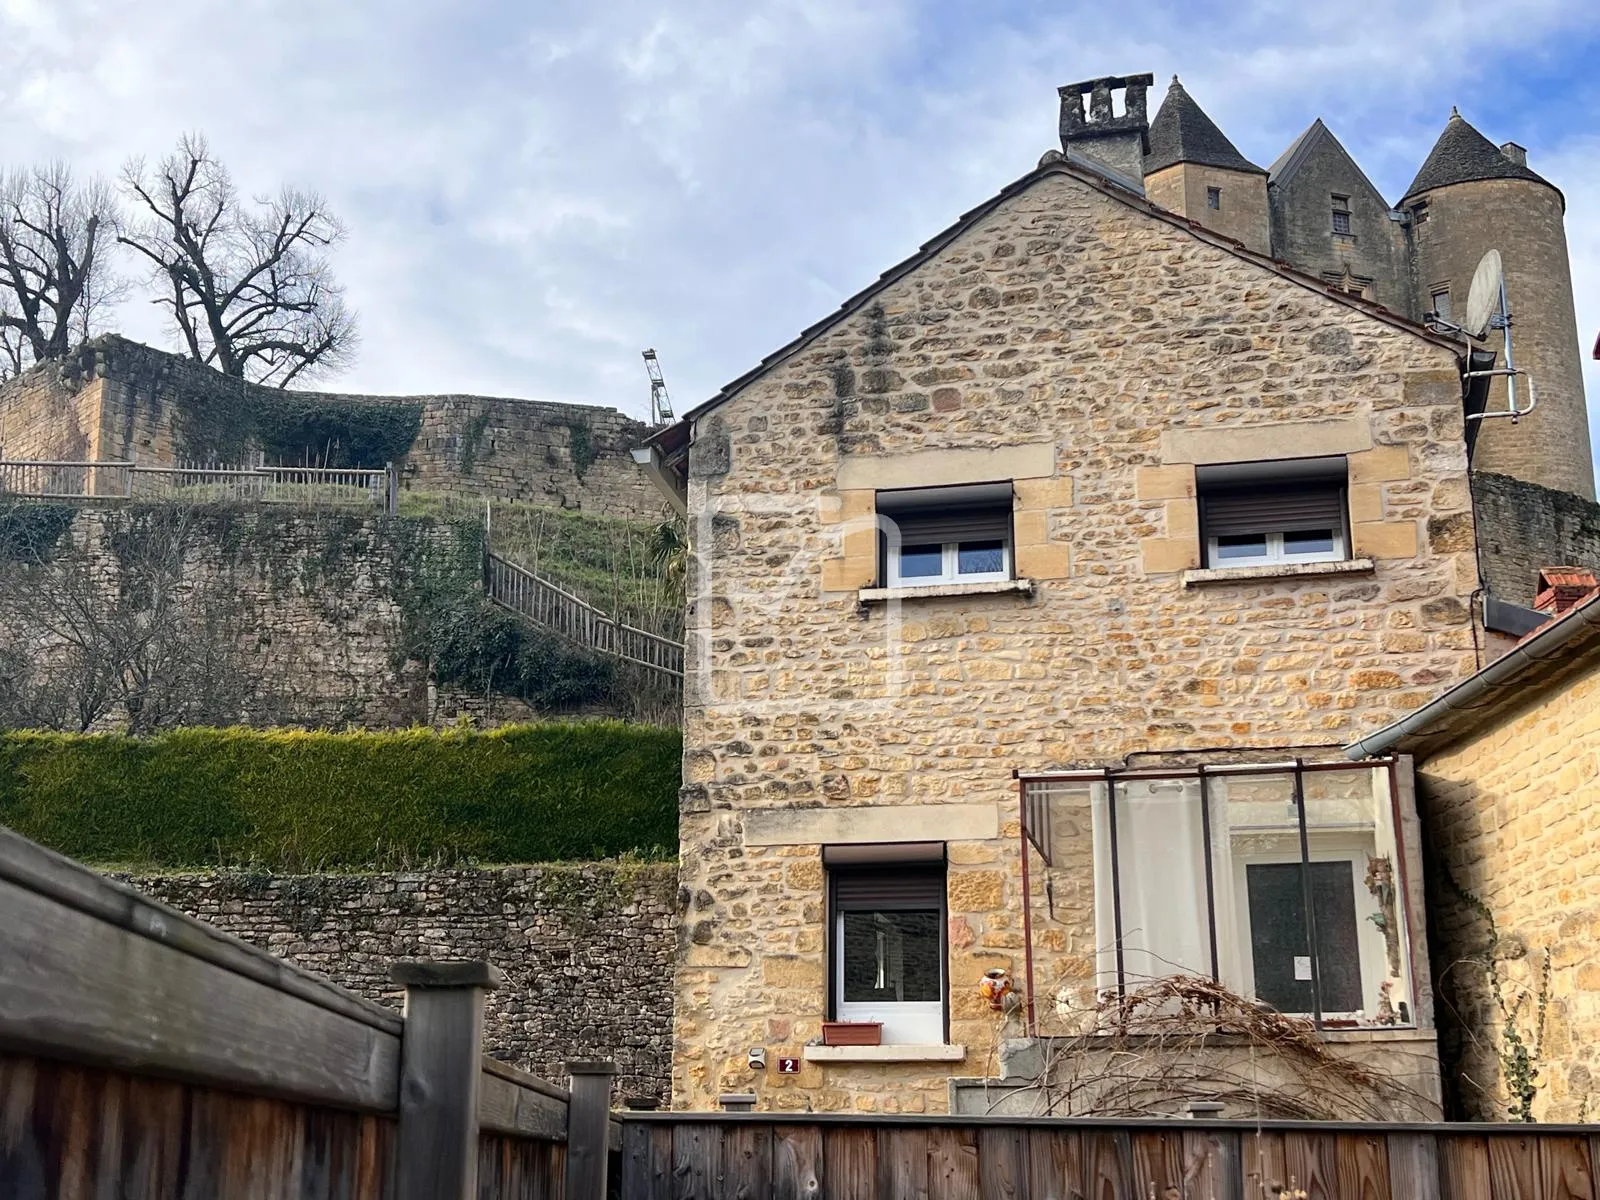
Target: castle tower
column 1469, row 197
column 1195, row 171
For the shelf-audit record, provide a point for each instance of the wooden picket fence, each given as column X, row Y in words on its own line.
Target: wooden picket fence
column 799, row 1156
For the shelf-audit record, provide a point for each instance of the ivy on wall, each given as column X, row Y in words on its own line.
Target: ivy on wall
column 295, row 801
column 31, row 533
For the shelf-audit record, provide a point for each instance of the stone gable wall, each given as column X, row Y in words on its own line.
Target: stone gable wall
column 1512, row 818
column 1130, row 350
column 586, row 951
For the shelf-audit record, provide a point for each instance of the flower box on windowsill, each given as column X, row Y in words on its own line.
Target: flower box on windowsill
column 852, row 1033
column 880, row 595
column 1278, row 571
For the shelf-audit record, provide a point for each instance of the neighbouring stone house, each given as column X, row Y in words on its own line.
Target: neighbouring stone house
column 1508, row 783
column 1032, row 597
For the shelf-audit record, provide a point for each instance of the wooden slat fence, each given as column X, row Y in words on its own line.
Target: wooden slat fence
column 548, row 605
column 146, row 1056
column 319, row 487
column 797, row 1156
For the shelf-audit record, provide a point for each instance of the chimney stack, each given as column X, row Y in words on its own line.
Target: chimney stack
column 1562, row 589
column 1517, row 154
column 1114, row 145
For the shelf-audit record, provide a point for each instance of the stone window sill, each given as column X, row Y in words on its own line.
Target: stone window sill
column 883, row 1054
column 997, row 588
column 1349, row 566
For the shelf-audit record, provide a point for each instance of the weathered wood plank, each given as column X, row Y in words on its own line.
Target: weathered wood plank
column 1157, row 1163
column 903, row 1160
column 797, row 1163
column 442, row 1072
column 588, row 1141
column 1002, row 1167
column 1513, row 1168
column 163, row 1011
column 638, row 1178
column 1564, row 1172
column 1464, row 1166
column 746, row 1162
column 52, row 876
column 1055, row 1164
column 1107, row 1166
column 1310, row 1161
column 695, row 1155
column 848, row 1165
column 505, row 1106
column 953, row 1163
column 1361, row 1163
column 1211, row 1164
column 1414, row 1166
column 1265, row 1173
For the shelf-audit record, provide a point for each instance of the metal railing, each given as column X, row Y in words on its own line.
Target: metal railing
column 558, row 610
column 317, row 486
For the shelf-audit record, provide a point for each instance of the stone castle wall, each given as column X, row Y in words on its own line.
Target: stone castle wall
column 586, row 950
column 1512, row 818
column 115, row 400
column 1523, row 528
column 261, row 616
column 1092, row 354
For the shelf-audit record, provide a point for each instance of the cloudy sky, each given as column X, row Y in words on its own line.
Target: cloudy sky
column 537, row 190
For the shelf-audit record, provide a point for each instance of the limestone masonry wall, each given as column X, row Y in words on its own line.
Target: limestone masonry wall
column 1512, row 815
column 586, row 950
column 1093, row 355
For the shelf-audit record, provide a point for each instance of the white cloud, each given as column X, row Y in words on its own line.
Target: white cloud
column 535, row 192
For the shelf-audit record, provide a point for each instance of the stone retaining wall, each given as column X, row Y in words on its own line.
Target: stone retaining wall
column 586, row 950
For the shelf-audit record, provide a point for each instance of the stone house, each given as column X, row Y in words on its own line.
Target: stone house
column 1032, row 598
column 1508, row 783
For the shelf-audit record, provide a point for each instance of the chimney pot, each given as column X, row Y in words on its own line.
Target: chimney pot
column 1113, row 144
column 1561, row 589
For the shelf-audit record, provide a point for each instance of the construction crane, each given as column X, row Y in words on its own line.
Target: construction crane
column 660, row 402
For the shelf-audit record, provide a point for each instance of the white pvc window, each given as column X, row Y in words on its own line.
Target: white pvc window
column 1270, row 549
column 943, row 535
column 982, row 560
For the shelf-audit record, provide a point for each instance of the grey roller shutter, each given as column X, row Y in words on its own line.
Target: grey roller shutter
column 889, row 888
column 952, row 525
column 1232, row 513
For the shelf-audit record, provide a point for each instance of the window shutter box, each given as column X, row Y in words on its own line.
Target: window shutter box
column 1271, row 510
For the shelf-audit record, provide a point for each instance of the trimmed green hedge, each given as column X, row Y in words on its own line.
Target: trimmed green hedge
column 287, row 800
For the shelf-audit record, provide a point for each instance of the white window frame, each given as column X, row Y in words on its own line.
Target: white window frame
column 950, row 565
column 1277, row 555
column 905, row 1022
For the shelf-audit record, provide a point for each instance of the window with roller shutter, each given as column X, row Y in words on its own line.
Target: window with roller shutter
column 1261, row 514
column 938, row 535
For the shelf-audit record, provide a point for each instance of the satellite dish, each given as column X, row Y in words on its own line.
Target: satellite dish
column 1488, row 283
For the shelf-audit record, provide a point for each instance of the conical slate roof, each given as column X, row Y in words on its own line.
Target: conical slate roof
column 1462, row 154
column 1182, row 133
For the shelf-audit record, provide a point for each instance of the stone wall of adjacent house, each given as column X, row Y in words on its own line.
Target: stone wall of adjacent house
column 116, row 400
column 1094, row 355
column 1523, row 528
column 1512, row 818
column 260, row 615
column 586, row 950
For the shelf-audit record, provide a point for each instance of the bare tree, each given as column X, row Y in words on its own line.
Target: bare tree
column 54, row 276
column 247, row 283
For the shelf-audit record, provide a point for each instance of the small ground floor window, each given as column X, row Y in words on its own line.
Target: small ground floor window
column 888, row 950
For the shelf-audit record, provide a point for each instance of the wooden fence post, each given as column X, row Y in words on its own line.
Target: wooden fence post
column 441, row 1054
column 589, row 1129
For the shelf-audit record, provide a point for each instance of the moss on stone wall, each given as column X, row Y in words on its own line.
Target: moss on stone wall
column 293, row 800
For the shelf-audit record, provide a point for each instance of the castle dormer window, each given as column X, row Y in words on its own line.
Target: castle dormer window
column 1341, row 214
column 1214, row 198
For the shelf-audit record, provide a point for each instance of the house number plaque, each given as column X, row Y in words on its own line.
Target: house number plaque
column 788, row 1066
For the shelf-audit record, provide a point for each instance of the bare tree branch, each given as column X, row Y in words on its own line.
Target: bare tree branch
column 54, row 273
column 247, row 284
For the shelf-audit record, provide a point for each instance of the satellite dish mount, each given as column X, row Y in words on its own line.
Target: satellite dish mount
column 1488, row 308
